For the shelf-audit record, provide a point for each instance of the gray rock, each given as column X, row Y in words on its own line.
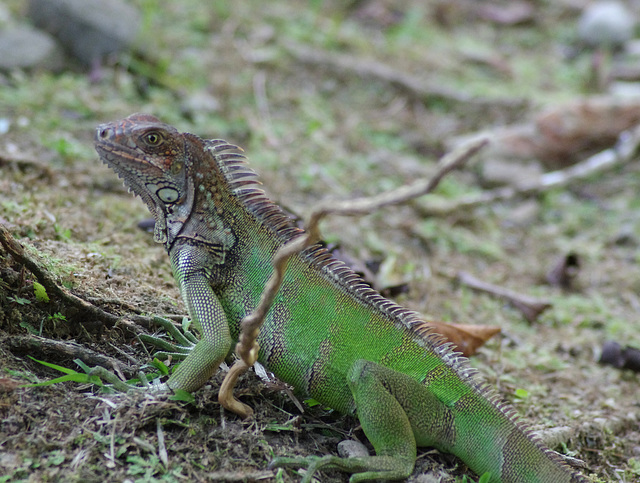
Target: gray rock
column 89, row 29
column 607, row 24
column 352, row 449
column 26, row 48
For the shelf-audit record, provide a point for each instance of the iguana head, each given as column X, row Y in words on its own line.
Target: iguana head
column 153, row 160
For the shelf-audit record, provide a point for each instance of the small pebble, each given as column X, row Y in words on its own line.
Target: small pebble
column 352, row 449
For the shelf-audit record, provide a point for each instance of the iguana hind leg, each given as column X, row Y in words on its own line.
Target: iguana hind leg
column 395, row 412
column 363, row 468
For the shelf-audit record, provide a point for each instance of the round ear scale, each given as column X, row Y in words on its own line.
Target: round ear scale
column 168, row 195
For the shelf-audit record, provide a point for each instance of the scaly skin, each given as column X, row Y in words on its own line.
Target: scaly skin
column 327, row 334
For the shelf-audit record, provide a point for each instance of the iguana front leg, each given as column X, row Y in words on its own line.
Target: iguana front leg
column 202, row 357
column 207, row 315
column 390, row 406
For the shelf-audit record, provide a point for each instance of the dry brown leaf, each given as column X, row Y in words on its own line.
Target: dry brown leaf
column 466, row 338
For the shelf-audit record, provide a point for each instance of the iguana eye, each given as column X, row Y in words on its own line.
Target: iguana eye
column 152, row 138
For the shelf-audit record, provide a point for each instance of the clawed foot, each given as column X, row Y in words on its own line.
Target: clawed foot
column 311, row 463
column 361, row 468
column 122, row 386
column 185, row 341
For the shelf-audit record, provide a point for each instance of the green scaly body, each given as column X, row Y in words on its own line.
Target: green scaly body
column 327, row 334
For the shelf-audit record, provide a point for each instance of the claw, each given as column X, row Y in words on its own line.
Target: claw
column 185, row 341
column 310, row 463
column 183, row 338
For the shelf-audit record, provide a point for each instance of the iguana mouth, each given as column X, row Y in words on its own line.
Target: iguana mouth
column 115, row 155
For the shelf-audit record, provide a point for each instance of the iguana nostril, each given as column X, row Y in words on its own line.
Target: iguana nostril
column 103, row 133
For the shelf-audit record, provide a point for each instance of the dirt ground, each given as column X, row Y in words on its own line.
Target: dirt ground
column 313, row 130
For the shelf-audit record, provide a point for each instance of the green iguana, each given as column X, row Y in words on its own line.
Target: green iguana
column 329, row 335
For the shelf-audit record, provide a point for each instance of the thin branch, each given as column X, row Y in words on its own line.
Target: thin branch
column 360, row 206
column 24, row 162
column 228, row 476
column 39, row 345
column 530, row 307
column 413, row 85
column 162, row 448
column 56, row 291
column 624, row 151
column 262, row 103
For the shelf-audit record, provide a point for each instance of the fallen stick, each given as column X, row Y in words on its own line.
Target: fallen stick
column 34, row 345
column 411, row 84
column 23, row 162
column 530, row 307
column 624, row 151
column 61, row 294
